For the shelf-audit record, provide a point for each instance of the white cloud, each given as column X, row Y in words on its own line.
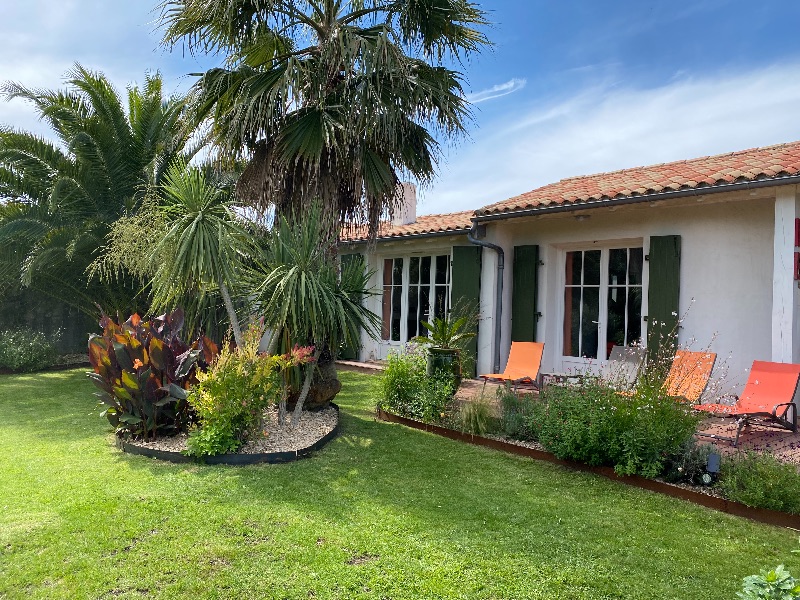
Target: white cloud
column 496, row 91
column 40, row 40
column 607, row 128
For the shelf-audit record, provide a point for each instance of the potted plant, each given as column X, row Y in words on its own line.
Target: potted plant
column 445, row 340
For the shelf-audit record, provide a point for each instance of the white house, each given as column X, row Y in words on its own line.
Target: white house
column 596, row 260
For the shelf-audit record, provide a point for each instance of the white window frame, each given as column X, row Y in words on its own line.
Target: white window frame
column 573, row 363
column 406, row 283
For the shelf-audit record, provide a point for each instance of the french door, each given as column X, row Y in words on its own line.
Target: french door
column 602, row 303
column 415, row 289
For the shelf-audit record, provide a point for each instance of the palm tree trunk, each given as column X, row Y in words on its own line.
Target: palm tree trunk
column 298, row 409
column 226, row 297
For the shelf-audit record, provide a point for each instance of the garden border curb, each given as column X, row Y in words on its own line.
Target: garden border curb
column 234, row 459
column 761, row 515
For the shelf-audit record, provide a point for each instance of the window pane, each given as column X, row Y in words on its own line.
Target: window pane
column 615, row 327
column 413, row 270
column 440, row 306
column 424, row 305
column 397, row 298
column 617, row 266
column 572, row 321
column 634, row 333
column 426, row 270
column 387, row 271
column 591, row 310
column 413, row 299
column 386, row 312
column 591, row 267
column 441, row 269
column 635, row 266
column 573, row 273
column 397, row 277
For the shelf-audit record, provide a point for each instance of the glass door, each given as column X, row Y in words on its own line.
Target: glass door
column 602, row 304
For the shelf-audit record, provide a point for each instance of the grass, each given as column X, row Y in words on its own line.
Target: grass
column 382, row 512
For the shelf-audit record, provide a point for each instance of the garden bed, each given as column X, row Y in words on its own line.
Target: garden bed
column 701, row 497
column 278, row 445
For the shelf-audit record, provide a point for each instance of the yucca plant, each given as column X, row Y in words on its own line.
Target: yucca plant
column 202, row 244
column 305, row 300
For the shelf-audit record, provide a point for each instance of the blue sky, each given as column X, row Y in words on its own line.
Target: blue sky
column 570, row 88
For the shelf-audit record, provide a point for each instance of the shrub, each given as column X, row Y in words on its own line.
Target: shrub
column 777, row 584
column 407, row 391
column 25, row 350
column 635, row 433
column 403, row 380
column 760, row 480
column 144, row 370
column 231, row 397
column 519, row 414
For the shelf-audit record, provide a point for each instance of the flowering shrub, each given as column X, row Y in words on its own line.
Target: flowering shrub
column 26, row 350
column 637, row 433
column 762, row 481
column 407, row 391
column 231, row 397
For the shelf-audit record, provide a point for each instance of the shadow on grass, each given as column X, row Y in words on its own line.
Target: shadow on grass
column 425, row 504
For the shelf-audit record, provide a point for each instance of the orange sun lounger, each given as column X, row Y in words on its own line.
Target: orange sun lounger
column 689, row 374
column 523, row 364
column 767, row 398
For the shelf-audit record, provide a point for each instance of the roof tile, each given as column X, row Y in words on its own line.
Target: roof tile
column 746, row 165
column 455, row 222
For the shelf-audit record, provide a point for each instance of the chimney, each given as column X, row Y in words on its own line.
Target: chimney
column 407, row 212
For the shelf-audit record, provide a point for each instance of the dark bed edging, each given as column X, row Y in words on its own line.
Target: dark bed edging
column 761, row 515
column 234, row 459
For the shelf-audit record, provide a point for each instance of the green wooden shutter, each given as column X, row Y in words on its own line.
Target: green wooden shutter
column 466, row 289
column 523, row 293
column 663, row 292
column 351, row 351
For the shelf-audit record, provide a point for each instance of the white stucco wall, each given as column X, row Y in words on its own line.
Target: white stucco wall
column 726, row 267
column 379, row 349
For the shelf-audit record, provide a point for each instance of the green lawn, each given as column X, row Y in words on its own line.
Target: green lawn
column 382, row 512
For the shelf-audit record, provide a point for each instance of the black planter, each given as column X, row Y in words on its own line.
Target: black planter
column 445, row 362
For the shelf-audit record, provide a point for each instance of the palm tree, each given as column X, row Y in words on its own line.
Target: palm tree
column 303, row 297
column 330, row 99
column 58, row 199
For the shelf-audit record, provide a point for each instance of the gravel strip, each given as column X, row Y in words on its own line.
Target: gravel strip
column 313, row 426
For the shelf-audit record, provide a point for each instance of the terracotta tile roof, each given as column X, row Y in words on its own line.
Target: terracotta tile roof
column 459, row 222
column 772, row 162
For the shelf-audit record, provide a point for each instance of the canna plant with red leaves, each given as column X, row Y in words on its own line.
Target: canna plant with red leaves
column 144, row 371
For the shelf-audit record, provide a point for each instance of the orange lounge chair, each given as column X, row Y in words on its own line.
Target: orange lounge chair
column 689, row 374
column 523, row 364
column 767, row 398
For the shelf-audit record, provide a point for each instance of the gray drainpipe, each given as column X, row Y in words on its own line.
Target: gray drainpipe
column 498, row 303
